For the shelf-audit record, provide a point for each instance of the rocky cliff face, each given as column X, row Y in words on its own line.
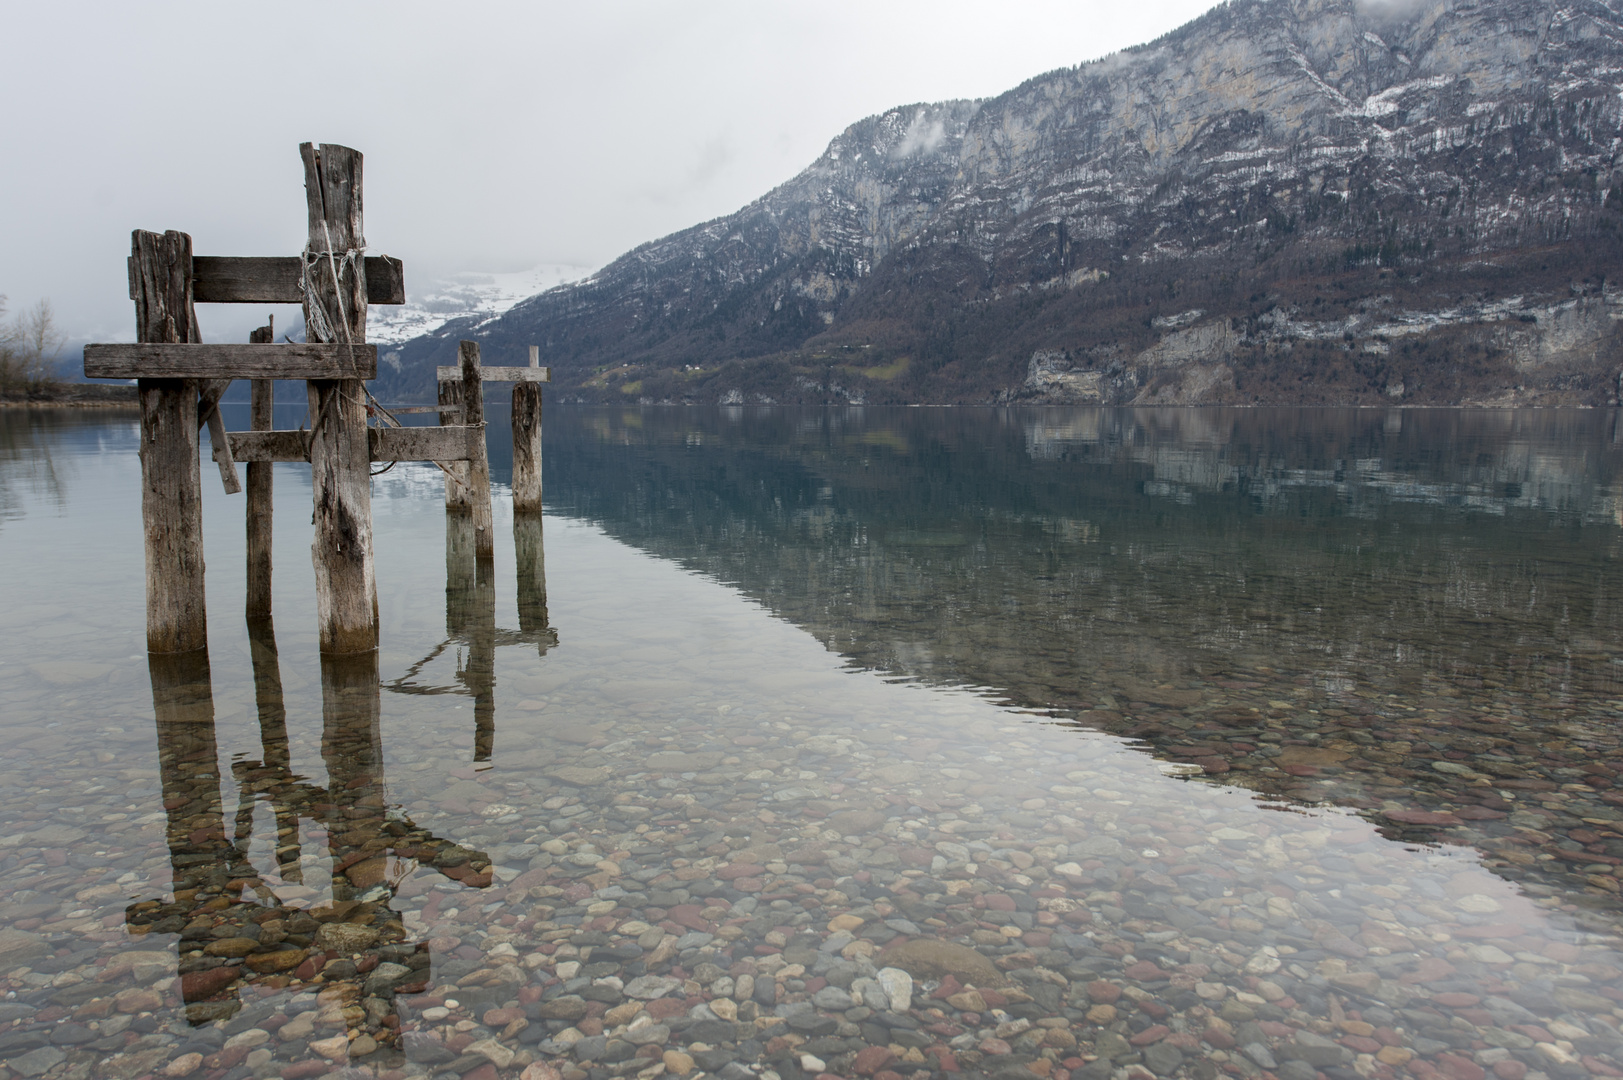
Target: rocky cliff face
column 1285, row 200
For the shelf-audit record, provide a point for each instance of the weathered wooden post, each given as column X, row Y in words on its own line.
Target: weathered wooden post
column 261, row 417
column 335, row 301
column 456, row 472
column 527, row 442
column 477, row 483
column 171, row 485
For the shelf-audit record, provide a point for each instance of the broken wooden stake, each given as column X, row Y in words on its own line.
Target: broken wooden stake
column 527, row 441
column 476, row 497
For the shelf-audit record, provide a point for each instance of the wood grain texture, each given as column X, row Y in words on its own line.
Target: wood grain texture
column 527, row 448
column 260, row 510
column 145, row 360
column 499, row 374
column 473, row 416
column 172, row 513
column 456, row 472
column 161, row 286
column 171, row 481
column 340, row 456
column 267, row 446
column 443, row 444
column 230, row 279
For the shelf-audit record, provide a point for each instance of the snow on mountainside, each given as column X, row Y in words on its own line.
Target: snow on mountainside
column 467, row 295
column 1283, row 201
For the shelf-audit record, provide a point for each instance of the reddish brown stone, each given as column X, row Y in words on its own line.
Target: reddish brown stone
column 1459, row 1068
column 1152, row 1034
column 1510, row 1069
column 1423, row 817
column 1145, row 971
column 1103, row 993
column 870, row 1059
column 1456, row 999
column 197, row 985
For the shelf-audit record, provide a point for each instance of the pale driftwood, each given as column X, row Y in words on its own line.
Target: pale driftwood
column 260, row 508
column 208, row 412
column 499, row 374
column 340, row 458
column 220, row 279
column 478, row 478
column 197, row 361
column 456, row 472
column 171, row 482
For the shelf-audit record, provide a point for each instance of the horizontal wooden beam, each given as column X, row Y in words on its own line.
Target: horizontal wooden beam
column 200, row 361
column 218, row 279
column 448, row 443
column 498, row 374
column 269, row 445
column 451, row 443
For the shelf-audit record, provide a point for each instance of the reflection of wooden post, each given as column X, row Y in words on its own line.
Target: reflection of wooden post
column 532, row 575
column 188, row 765
column 171, row 486
column 352, row 749
column 470, row 615
column 260, row 418
column 527, row 442
column 340, row 458
column 473, row 415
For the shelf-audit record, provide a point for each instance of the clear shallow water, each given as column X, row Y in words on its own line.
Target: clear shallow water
column 1195, row 741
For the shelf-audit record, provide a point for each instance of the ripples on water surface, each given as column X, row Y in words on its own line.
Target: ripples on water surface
column 1054, row 743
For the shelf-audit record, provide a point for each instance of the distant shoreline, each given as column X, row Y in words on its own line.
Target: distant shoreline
column 76, row 396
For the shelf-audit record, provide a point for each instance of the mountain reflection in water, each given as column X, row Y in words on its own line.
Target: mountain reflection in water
column 1413, row 614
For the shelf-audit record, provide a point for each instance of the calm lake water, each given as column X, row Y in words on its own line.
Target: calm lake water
column 1060, row 743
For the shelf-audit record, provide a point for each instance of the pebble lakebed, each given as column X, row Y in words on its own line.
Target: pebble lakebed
column 671, row 894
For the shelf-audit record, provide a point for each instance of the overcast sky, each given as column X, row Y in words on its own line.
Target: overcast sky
column 498, row 136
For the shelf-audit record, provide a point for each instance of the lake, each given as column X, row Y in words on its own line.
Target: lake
column 1071, row 743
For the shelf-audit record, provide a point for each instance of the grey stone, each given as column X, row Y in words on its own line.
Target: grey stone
column 1259, row 1054
column 37, row 1062
column 1162, row 1059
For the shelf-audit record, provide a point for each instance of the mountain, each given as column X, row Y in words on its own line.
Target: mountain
column 1290, row 201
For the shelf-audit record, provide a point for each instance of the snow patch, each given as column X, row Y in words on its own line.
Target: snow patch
column 469, row 293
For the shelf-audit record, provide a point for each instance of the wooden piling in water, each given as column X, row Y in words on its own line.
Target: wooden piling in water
column 456, row 472
column 335, row 303
column 171, row 484
column 527, row 442
column 478, row 474
column 259, row 509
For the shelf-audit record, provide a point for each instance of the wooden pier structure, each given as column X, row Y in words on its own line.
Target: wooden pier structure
column 181, row 380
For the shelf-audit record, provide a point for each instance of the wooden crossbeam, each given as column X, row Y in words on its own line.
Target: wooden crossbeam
column 498, row 374
column 201, row 361
column 452, row 443
column 219, row 279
